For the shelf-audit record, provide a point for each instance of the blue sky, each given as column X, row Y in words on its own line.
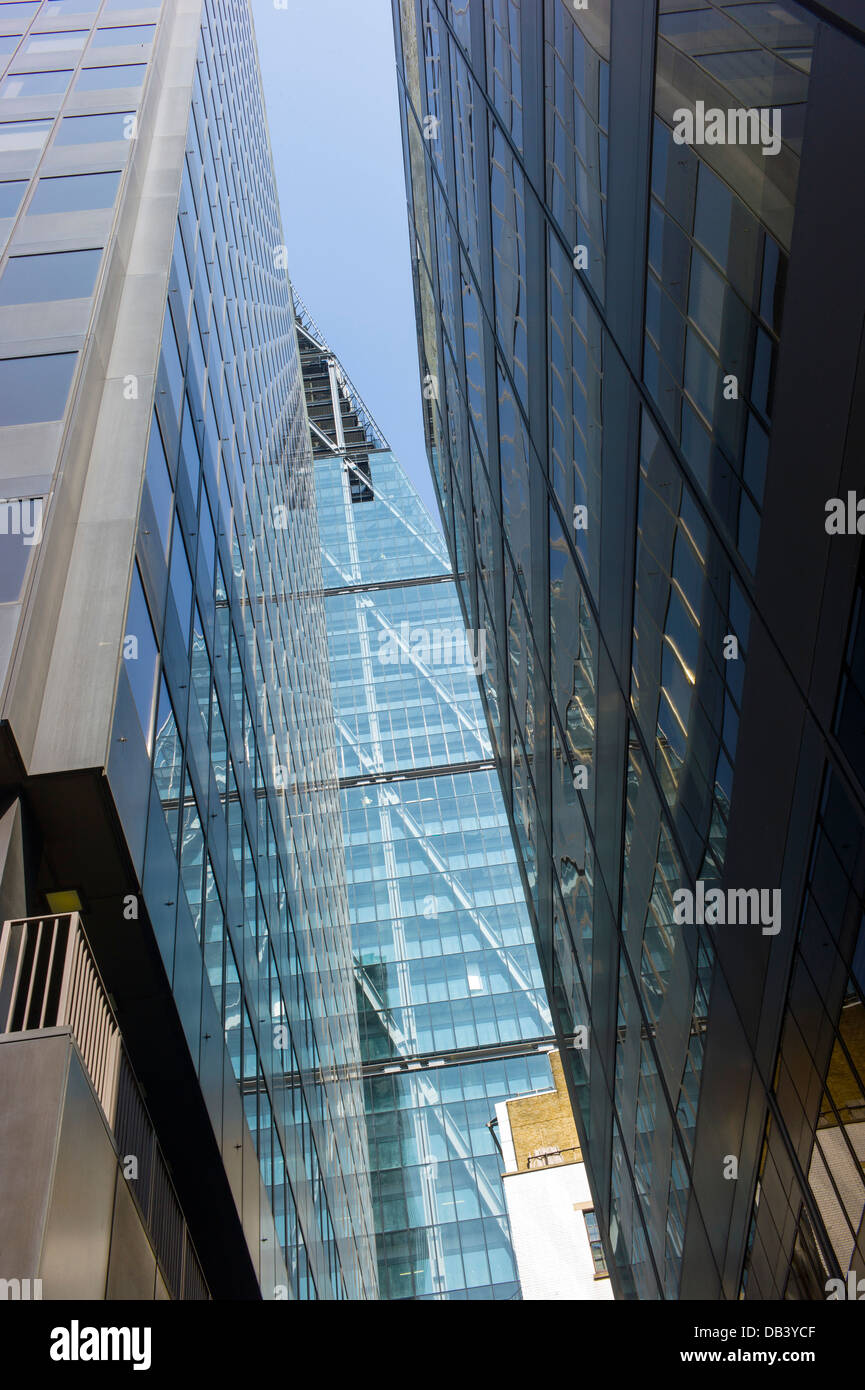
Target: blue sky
column 330, row 83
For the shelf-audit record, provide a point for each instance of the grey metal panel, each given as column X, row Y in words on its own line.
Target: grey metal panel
column 132, row 1263
column 74, row 1262
column 33, row 1071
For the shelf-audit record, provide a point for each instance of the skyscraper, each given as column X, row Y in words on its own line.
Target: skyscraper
column 172, row 876
column 453, row 1014
column 640, row 295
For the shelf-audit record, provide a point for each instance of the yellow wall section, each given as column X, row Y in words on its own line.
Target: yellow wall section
column 544, row 1121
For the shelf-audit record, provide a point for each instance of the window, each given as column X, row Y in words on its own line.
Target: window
column 141, row 655
column 132, row 35
column 595, row 1243
column 35, row 389
column 159, row 484
column 181, row 583
column 75, row 193
column 103, row 79
column 9, row 42
column 17, row 14
column 94, row 130
column 713, row 216
column 20, row 533
column 72, row 41
column 11, row 195
column 59, row 7
column 172, row 367
column 34, row 84
column 17, row 136
column 59, row 275
column 167, row 760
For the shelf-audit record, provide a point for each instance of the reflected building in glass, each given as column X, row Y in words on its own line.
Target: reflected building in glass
column 453, row 1014
column 171, row 814
column 642, row 369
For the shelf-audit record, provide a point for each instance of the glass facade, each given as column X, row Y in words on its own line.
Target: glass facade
column 453, row 1013
column 222, row 762
column 615, row 330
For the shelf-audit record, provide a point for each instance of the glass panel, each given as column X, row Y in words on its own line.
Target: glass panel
column 11, row 195
column 72, row 41
column 64, row 7
column 92, row 130
column 20, row 531
column 159, row 484
column 75, row 193
column 60, row 275
column 34, row 84
column 100, row 79
column 141, row 655
column 139, row 35
column 16, row 136
column 181, row 584
column 34, row 389
column 167, row 760
column 17, row 14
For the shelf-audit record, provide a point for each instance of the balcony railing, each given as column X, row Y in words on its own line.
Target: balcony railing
column 49, row 979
